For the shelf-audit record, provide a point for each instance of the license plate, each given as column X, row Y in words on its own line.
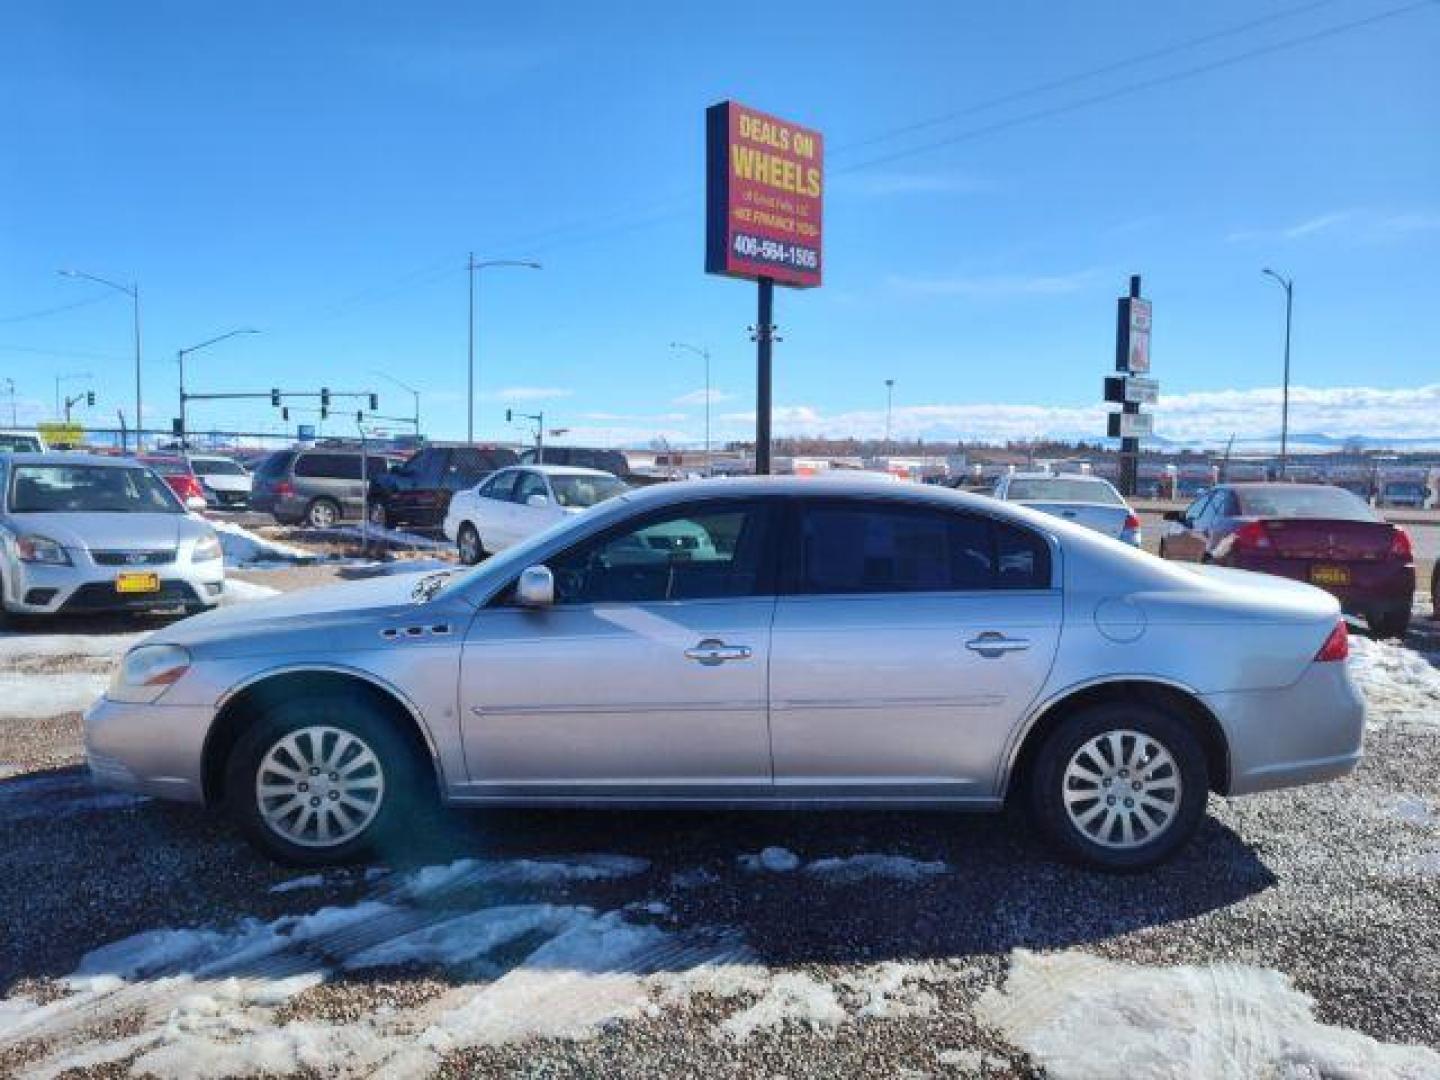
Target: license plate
column 137, row 583
column 1329, row 575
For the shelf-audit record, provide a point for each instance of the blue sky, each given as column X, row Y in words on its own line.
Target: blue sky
column 320, row 171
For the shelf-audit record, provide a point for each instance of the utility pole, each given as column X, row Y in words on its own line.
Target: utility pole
column 132, row 291
column 59, row 398
column 1288, row 284
column 704, row 355
column 472, row 269
column 539, row 418
column 889, row 403
column 10, row 389
column 184, row 397
column 411, row 390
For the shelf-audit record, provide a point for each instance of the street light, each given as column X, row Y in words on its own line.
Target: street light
column 180, row 355
column 60, row 379
column 1288, row 284
column 410, row 389
column 704, row 354
column 474, row 268
column 132, row 291
column 889, row 402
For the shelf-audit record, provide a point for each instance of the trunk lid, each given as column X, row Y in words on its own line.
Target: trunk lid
column 1334, row 540
column 1109, row 520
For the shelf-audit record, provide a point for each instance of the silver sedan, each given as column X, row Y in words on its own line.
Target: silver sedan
column 751, row 642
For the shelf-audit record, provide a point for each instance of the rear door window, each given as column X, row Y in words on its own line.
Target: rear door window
column 324, row 466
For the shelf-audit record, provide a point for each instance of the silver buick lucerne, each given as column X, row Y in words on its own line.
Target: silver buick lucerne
column 751, row 642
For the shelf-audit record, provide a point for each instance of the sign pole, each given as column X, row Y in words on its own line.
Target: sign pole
column 764, row 336
column 1129, row 445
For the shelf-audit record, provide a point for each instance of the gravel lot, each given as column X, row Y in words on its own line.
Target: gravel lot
column 724, row 944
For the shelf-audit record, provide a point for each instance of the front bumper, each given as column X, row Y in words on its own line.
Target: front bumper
column 43, row 589
column 1310, row 731
column 148, row 749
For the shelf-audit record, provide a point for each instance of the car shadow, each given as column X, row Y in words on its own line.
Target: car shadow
column 86, row 871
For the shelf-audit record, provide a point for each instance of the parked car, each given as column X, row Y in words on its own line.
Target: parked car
column 82, row 533
column 224, row 480
column 1086, row 500
column 1408, row 494
column 319, row 486
column 418, row 492
column 614, row 462
column 519, row 502
column 1316, row 533
column 21, row 440
column 176, row 472
column 761, row 642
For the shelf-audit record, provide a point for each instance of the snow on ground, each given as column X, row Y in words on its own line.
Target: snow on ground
column 245, row 548
column 243, row 592
column 28, row 694
column 392, row 537
column 1400, row 684
column 1084, row 1017
column 852, row 868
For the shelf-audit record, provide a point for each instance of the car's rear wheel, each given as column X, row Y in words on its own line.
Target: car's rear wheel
column 318, row 781
column 322, row 514
column 1119, row 786
column 467, row 541
column 1389, row 624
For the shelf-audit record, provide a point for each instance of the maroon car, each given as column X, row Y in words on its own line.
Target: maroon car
column 1310, row 532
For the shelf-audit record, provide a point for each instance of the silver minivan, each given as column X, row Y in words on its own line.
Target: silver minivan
column 319, row 486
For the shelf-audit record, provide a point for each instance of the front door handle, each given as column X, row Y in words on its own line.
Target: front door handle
column 992, row 645
column 713, row 651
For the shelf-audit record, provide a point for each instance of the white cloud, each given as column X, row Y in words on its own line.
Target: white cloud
column 995, row 286
column 528, row 393
column 1318, row 224
column 1348, row 226
column 1199, row 417
column 697, row 397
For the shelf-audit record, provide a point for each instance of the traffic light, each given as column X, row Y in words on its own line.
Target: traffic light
column 359, row 416
column 324, row 397
column 507, row 416
column 175, row 427
column 90, row 399
column 285, row 413
column 374, row 402
column 275, row 399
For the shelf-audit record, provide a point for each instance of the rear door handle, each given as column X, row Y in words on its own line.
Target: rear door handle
column 991, row 645
column 713, row 651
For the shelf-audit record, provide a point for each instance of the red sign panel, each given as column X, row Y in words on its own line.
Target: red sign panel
column 764, row 191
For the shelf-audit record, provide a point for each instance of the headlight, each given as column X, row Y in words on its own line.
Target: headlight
column 206, row 548
column 41, row 549
column 146, row 673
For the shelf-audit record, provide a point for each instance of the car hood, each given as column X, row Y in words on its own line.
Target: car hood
column 112, row 532
column 306, row 620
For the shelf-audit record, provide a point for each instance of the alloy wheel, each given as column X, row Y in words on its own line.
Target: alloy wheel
column 1122, row 789
column 319, row 786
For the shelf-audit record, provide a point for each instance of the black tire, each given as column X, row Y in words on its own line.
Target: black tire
column 469, row 545
column 1048, row 786
column 407, row 779
column 1389, row 624
column 322, row 514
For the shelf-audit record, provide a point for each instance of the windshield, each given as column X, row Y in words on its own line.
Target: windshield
column 1303, row 502
column 216, row 467
column 1405, row 489
column 89, row 489
column 22, row 443
column 583, row 491
column 1063, row 489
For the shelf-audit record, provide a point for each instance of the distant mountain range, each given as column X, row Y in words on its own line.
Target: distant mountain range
column 1303, row 441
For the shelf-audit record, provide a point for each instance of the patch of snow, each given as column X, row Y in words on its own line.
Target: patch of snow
column 1399, row 684
column 241, row 547
column 1080, row 1016
column 244, row 592
column 474, row 873
column 792, row 998
column 777, row 860
column 16, row 648
column 24, row 695
column 309, row 881
column 862, row 867
column 467, row 938
column 392, row 537
column 694, row 878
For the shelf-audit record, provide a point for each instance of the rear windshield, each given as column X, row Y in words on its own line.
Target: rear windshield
column 215, row 466
column 167, row 466
column 89, row 489
column 275, row 464
column 582, row 491
column 1303, row 502
column 1062, row 489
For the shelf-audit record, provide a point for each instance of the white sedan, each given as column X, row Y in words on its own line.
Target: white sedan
column 1086, row 500
column 512, row 504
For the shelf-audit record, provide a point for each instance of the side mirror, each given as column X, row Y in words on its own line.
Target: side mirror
column 536, row 587
column 195, row 504
column 1174, row 515
column 538, row 501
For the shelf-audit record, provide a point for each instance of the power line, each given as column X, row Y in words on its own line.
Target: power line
column 43, row 312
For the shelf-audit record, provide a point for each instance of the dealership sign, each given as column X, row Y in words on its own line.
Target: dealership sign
column 1135, row 389
column 1135, row 336
column 764, row 189
column 1136, row 425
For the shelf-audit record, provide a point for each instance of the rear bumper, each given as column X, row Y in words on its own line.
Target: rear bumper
column 1310, row 731
column 1375, row 587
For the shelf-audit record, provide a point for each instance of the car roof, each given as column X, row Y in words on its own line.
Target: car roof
column 560, row 470
column 59, row 457
column 1088, row 477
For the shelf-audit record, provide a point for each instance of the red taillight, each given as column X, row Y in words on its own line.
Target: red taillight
column 284, row 489
column 1132, row 522
column 1253, row 536
column 1337, row 645
column 1400, row 545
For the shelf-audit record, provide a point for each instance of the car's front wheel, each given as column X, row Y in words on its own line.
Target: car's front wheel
column 1120, row 786
column 322, row 780
column 467, row 541
column 1390, row 624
